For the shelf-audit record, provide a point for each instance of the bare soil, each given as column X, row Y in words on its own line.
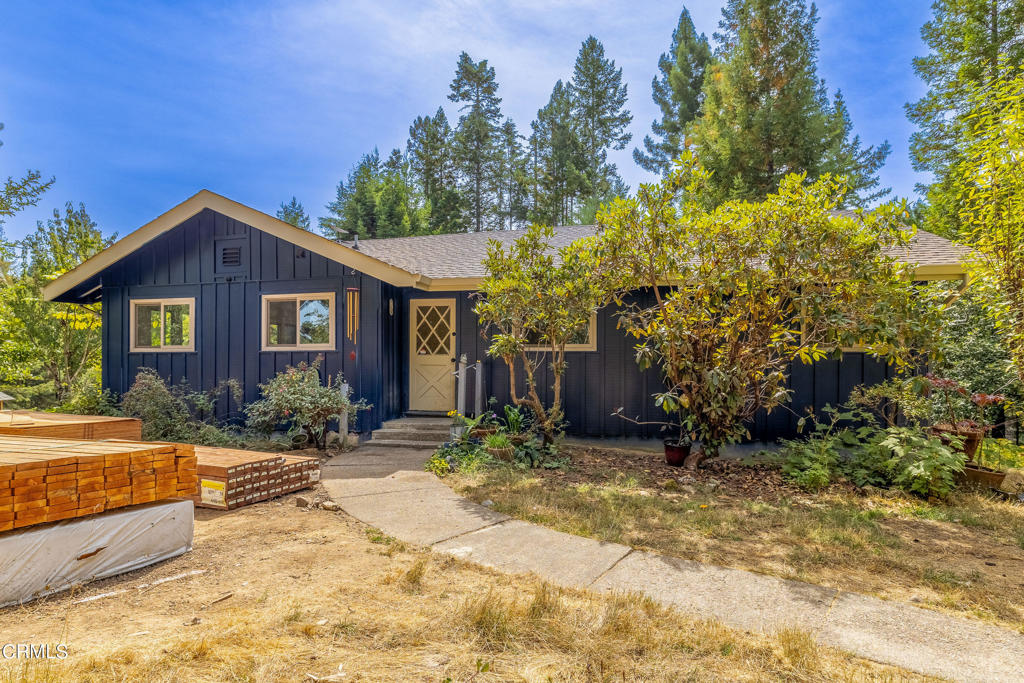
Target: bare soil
column 288, row 593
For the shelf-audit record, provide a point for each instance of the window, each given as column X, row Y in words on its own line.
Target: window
column 352, row 314
column 584, row 340
column 163, row 324
column 298, row 322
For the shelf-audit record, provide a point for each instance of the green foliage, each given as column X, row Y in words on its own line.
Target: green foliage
column 497, row 441
column 534, row 454
column 296, row 397
column 743, row 289
column 921, row 463
column 432, row 163
column 535, row 301
column 294, row 213
column 465, row 455
column 766, row 113
column 1002, row 454
column 966, row 39
column 991, row 192
column 178, row 413
column 515, row 420
column 558, row 165
column 42, row 341
column 677, row 92
column 88, row 398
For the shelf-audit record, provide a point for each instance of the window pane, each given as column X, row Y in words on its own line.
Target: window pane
column 147, row 325
column 177, row 322
column 315, row 318
column 582, row 336
column 281, row 323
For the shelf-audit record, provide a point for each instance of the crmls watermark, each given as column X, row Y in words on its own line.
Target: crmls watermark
column 31, row 651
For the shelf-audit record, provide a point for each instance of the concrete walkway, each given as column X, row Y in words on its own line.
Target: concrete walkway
column 391, row 492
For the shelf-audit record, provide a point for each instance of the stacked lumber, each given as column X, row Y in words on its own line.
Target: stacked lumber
column 230, row 478
column 59, row 426
column 47, row 480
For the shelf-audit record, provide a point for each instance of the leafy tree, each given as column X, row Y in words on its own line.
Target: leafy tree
column 536, row 301
column 743, row 290
column 765, row 113
column 477, row 137
column 294, row 213
column 678, row 93
column 52, row 342
column 430, row 153
column 21, row 193
column 990, row 185
column 966, row 39
column 597, row 99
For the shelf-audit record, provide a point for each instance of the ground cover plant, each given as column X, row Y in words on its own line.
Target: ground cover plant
column 963, row 555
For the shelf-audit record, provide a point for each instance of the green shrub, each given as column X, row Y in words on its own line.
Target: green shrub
column 178, row 413
column 497, row 441
column 920, row 463
column 464, row 455
column 296, row 397
column 87, row 398
column 810, row 464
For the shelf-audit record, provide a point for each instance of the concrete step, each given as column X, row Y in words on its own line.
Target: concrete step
column 417, row 423
column 400, row 443
column 406, row 434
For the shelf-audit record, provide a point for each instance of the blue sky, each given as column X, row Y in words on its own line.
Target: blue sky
column 134, row 106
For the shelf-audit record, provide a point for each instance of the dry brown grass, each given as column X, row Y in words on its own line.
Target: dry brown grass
column 324, row 594
column 966, row 556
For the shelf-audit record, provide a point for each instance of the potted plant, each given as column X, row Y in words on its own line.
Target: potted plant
column 499, row 446
column 964, row 433
column 515, row 425
column 677, row 450
column 485, row 424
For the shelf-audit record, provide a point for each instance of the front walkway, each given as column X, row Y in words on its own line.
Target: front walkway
column 390, row 491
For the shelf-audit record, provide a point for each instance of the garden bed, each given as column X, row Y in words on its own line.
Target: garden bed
column 966, row 556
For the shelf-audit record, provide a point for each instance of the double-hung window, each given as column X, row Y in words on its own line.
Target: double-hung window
column 163, row 325
column 298, row 322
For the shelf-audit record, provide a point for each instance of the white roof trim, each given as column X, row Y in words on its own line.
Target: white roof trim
column 204, row 199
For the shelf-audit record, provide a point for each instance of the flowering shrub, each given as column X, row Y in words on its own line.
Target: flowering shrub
column 297, row 398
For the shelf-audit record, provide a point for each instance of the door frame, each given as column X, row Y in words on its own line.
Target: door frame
column 411, row 350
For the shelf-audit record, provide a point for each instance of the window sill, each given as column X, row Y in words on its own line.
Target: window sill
column 293, row 349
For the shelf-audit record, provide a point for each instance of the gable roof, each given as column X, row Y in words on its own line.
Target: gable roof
column 459, row 256
column 83, row 279
column 428, row 262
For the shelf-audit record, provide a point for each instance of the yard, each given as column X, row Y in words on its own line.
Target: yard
column 321, row 591
column 965, row 556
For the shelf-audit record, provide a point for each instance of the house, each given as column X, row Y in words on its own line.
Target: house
column 213, row 289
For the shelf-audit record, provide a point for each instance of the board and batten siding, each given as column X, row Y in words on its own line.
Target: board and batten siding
column 183, row 262
column 597, row 383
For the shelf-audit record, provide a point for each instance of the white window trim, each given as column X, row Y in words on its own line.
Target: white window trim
column 589, row 346
column 191, row 346
column 298, row 297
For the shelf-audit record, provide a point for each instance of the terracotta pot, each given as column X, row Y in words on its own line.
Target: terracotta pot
column 971, row 438
column 518, row 439
column 982, row 475
column 481, row 432
column 675, row 454
column 505, row 454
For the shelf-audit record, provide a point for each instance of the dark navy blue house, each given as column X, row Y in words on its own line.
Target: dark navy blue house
column 213, row 289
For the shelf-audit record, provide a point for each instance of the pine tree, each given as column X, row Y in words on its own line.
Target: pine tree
column 966, row 39
column 558, row 164
column 294, row 213
column 597, row 99
column 678, row 93
column 766, row 114
column 845, row 156
column 512, row 178
column 477, row 138
column 430, row 154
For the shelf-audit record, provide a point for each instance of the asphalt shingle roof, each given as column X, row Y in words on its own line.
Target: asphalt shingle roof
column 461, row 255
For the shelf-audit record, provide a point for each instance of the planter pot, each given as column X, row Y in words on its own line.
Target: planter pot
column 984, row 476
column 971, row 438
column 455, row 432
column 481, row 432
column 505, row 454
column 676, row 454
column 518, row 439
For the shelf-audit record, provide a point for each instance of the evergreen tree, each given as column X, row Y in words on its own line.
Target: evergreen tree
column 598, row 98
column 845, row 156
column 477, row 138
column 966, row 39
column 765, row 113
column 294, row 213
column 558, row 164
column 678, row 93
column 430, row 154
column 511, row 186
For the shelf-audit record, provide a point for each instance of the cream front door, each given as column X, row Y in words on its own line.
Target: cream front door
column 432, row 354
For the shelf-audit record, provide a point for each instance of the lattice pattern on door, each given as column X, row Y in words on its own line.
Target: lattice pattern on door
column 433, row 332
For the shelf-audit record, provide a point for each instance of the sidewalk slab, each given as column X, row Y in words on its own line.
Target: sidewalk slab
column 737, row 598
column 521, row 547
column 423, row 516
column 340, row 488
column 924, row 640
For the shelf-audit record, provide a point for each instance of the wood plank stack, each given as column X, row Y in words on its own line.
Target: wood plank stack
column 60, row 426
column 230, row 478
column 46, row 480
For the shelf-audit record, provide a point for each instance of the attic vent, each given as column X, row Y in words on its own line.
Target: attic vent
column 231, row 257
